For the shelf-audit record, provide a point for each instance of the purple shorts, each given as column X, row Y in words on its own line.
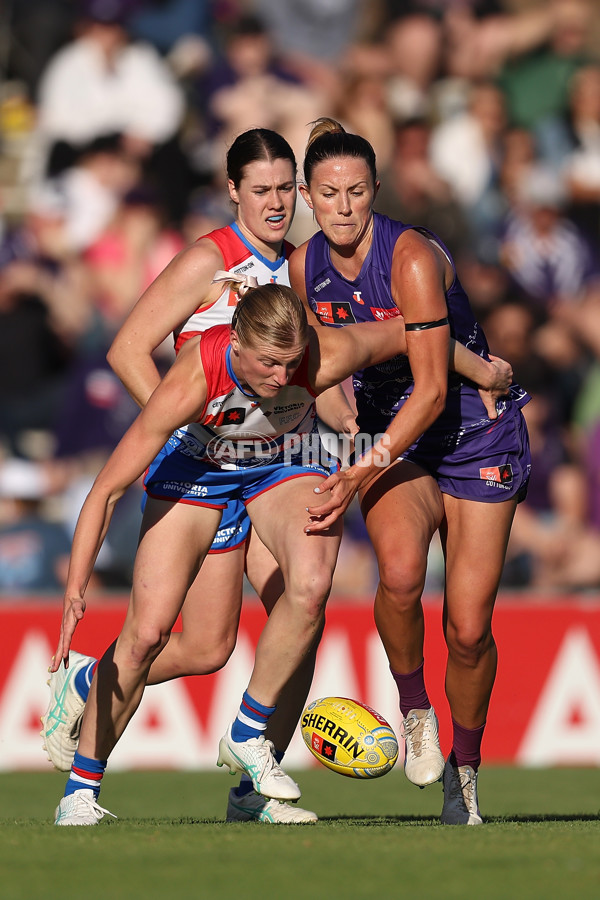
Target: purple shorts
column 488, row 464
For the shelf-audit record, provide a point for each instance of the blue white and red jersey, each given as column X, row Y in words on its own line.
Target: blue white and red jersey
column 239, row 258
column 234, row 423
column 241, row 446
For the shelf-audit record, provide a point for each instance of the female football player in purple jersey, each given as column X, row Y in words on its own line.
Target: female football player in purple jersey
column 437, row 460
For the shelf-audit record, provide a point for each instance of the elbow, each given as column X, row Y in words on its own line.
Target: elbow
column 435, row 402
column 113, row 358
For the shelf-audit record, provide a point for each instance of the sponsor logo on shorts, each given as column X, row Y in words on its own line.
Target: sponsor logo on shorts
column 224, row 534
column 185, row 487
column 497, row 476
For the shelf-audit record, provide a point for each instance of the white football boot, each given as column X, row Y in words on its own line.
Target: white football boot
column 254, row 807
column 80, row 808
column 61, row 723
column 256, row 758
column 423, row 760
column 461, row 806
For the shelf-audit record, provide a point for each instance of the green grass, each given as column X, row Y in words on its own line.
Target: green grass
column 375, row 839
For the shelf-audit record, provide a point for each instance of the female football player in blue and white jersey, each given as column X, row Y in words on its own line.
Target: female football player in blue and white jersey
column 248, row 389
column 454, row 466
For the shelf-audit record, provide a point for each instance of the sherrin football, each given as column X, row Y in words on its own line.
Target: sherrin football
column 349, row 737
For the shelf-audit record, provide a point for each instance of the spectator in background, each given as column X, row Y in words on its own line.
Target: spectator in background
column 249, row 83
column 135, row 246
column 34, row 551
column 466, row 151
column 536, row 83
column 550, row 260
column 570, row 143
column 90, row 190
column 166, row 23
column 413, row 44
column 102, row 83
column 412, row 191
column 33, row 357
column 313, row 37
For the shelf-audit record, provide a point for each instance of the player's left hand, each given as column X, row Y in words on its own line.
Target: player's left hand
column 500, row 382
column 73, row 612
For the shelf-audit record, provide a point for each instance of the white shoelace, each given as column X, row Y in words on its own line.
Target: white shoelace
column 416, row 743
column 94, row 808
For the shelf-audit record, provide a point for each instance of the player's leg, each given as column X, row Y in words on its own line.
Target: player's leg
column 402, row 510
column 243, row 803
column 267, row 580
column 474, row 538
column 294, row 625
column 174, row 539
column 209, row 620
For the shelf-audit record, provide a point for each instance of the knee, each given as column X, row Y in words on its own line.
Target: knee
column 206, row 659
column 401, row 580
column 144, row 644
column 308, row 591
column 468, row 643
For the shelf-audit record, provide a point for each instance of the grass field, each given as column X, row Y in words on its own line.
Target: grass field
column 376, row 839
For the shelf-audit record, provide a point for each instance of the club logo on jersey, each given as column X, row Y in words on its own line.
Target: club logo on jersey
column 335, row 313
column 501, row 475
column 226, row 417
column 381, row 314
column 273, row 279
column 356, row 296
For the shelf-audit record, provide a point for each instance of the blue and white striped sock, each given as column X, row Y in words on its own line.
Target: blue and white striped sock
column 86, row 774
column 251, row 719
column 83, row 679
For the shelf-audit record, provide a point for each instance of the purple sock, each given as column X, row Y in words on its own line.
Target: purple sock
column 466, row 745
column 411, row 688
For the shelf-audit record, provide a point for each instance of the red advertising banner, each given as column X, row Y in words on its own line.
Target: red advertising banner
column 545, row 708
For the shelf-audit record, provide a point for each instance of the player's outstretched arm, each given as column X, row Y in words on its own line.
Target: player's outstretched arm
column 178, row 399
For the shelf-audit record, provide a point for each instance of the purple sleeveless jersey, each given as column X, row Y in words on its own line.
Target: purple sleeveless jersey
column 470, row 455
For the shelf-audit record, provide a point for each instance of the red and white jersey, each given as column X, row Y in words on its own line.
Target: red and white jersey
column 239, row 258
column 241, row 429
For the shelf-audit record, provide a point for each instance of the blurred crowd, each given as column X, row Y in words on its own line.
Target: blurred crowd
column 115, row 117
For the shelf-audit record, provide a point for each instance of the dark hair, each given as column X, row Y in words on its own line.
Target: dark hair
column 328, row 140
column 254, row 145
column 272, row 313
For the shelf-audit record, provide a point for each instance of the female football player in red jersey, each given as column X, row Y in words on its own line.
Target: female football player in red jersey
column 234, row 418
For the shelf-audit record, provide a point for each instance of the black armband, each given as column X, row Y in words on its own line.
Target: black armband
column 423, row 326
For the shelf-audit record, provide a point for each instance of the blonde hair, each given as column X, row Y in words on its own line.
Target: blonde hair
column 270, row 314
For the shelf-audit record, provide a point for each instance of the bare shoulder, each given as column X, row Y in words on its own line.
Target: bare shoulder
column 202, row 256
column 415, row 252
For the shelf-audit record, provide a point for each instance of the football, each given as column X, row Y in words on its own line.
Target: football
column 349, row 737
